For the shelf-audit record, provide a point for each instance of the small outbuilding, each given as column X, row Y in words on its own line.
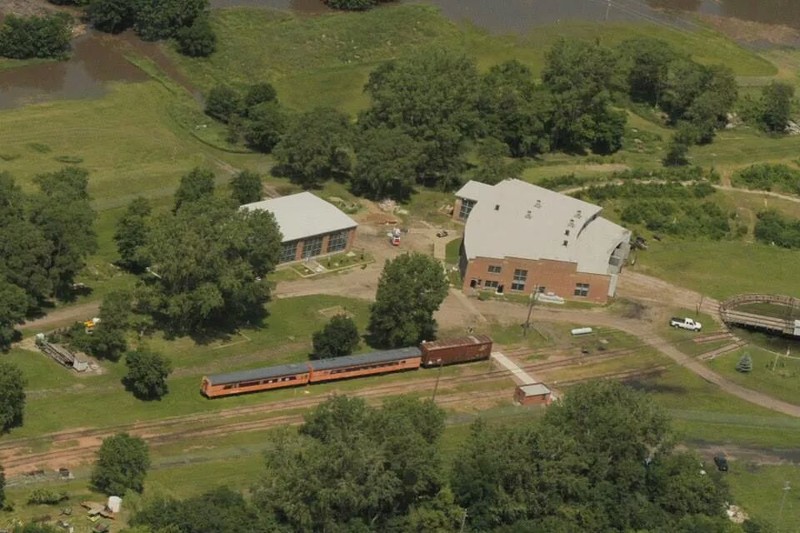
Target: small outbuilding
column 310, row 226
column 533, row 394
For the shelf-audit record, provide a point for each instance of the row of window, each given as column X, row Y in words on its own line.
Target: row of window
column 581, row 289
column 362, row 367
column 312, row 247
column 259, row 382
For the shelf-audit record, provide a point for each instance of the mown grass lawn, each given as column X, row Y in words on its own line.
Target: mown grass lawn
column 723, row 268
column 772, row 373
column 761, row 491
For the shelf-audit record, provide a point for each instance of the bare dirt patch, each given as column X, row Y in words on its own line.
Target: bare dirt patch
column 754, row 33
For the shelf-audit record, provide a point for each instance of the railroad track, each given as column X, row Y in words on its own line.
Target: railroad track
column 17, row 458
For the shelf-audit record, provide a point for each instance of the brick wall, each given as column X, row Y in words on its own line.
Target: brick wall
column 558, row 277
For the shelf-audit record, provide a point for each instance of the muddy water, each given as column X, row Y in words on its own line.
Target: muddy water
column 96, row 60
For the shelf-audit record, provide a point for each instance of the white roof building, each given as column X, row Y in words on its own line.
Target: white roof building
column 304, row 215
column 517, row 219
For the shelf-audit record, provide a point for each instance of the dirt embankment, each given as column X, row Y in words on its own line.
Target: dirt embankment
column 26, row 7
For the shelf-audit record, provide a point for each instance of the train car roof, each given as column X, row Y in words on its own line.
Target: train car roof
column 259, row 373
column 460, row 341
column 384, row 356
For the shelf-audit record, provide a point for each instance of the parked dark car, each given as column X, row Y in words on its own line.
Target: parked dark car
column 721, row 461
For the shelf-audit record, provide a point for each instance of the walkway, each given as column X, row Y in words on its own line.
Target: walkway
column 519, row 375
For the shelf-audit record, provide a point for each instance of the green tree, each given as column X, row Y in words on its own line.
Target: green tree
column 339, row 337
column 12, row 396
column 352, row 5
column 222, row 103
column 13, row 306
column 209, row 259
column 386, row 164
column 580, row 77
column 316, row 147
column 111, row 16
column 45, row 36
column 776, row 106
column 161, row 19
column 197, row 39
column 647, row 64
column 678, row 149
column 259, row 93
column 108, row 337
column 264, row 127
column 411, row 288
column 432, row 97
column 131, row 234
column 194, row 186
column 514, row 110
column 246, row 187
column 745, row 364
column 147, row 374
column 122, row 464
column 25, row 253
column 493, row 166
column 62, row 212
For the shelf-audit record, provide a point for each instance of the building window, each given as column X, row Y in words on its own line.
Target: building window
column 312, row 247
column 288, row 251
column 520, row 277
column 581, row 289
column 494, row 269
column 491, row 284
column 541, row 289
column 466, row 207
column 337, row 241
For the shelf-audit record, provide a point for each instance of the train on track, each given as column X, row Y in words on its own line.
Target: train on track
column 426, row 355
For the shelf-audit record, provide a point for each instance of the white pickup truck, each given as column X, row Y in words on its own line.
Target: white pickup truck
column 685, row 323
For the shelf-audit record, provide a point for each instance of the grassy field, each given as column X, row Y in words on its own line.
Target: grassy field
column 723, row 268
column 325, row 60
column 775, row 375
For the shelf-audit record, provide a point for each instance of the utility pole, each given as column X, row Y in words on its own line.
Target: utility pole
column 532, row 300
column 438, row 377
column 608, row 9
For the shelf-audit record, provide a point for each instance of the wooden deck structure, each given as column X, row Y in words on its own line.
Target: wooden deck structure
column 784, row 326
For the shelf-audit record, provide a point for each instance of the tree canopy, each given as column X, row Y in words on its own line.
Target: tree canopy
column 12, row 396
column 339, row 337
column 147, row 374
column 315, row 147
column 411, row 288
column 122, row 464
column 132, row 233
column 208, row 262
column 196, row 185
column 43, row 36
column 775, row 106
column 600, row 460
column 387, row 162
column 246, row 187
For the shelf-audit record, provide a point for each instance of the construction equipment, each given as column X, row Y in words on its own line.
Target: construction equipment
column 60, row 354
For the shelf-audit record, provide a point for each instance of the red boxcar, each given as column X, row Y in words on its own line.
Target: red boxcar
column 451, row 351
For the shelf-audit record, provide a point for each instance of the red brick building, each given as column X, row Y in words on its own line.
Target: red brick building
column 520, row 238
column 311, row 227
column 533, row 393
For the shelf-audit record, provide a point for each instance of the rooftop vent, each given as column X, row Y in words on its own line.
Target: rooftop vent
column 538, row 204
column 497, row 207
column 565, row 243
column 571, row 223
column 528, row 214
column 578, row 214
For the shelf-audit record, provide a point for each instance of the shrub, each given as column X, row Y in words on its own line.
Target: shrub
column 774, row 228
column 45, row 36
column 46, row 497
column 339, row 337
column 766, row 177
column 197, row 40
column 745, row 364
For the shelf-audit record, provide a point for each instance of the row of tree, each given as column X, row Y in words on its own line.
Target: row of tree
column 603, row 459
column 45, row 238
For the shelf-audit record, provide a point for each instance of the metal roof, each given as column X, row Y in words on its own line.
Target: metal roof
column 365, row 359
column 534, row 389
column 259, row 373
column 473, row 190
column 517, row 219
column 461, row 341
column 304, row 215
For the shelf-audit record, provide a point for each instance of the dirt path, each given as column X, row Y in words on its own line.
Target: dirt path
column 64, row 316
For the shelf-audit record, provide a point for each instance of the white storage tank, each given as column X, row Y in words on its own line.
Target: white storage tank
column 114, row 504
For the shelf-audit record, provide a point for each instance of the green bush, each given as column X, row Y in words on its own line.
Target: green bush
column 767, row 177
column 46, row 497
column 774, row 228
column 45, row 36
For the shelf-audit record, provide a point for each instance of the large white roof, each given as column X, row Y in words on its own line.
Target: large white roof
column 304, row 215
column 517, row 219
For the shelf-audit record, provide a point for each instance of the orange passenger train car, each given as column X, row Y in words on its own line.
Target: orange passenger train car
column 259, row 379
